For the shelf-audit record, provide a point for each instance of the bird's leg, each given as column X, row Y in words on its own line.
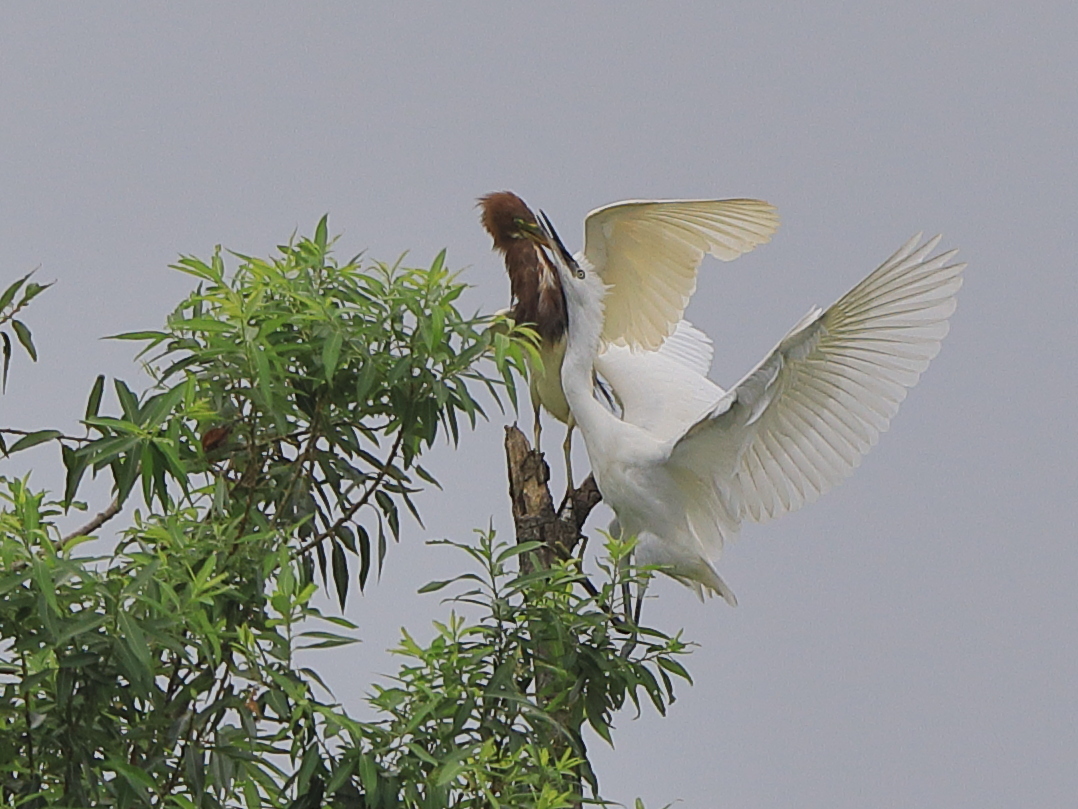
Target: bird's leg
column 537, row 426
column 567, row 449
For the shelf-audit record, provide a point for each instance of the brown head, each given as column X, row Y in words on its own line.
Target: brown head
column 503, row 214
column 533, row 282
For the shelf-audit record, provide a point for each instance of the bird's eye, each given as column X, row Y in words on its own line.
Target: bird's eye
column 580, row 274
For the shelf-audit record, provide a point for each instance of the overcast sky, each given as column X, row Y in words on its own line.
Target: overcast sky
column 909, row 640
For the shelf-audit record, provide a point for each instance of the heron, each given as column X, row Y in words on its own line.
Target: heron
column 647, row 253
column 790, row 430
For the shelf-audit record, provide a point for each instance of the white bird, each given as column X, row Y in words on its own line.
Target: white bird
column 647, row 252
column 687, row 463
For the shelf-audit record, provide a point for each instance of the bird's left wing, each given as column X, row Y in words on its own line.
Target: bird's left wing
column 648, row 252
column 803, row 418
column 662, row 391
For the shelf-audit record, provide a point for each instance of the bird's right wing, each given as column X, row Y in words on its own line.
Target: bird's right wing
column 648, row 252
column 802, row 419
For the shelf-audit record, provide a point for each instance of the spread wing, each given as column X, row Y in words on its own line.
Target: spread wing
column 648, row 253
column 663, row 390
column 803, row 418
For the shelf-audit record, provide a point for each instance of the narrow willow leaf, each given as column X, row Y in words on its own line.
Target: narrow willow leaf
column 439, row 262
column 674, row 667
column 11, row 291
column 364, row 542
column 331, row 352
column 154, row 336
column 7, row 358
column 340, row 573
column 32, row 291
column 148, row 467
column 326, row 640
column 519, row 548
column 32, row 440
column 265, row 382
column 128, row 400
column 381, row 544
column 23, row 334
column 435, row 586
column 140, row 780
column 125, row 473
column 93, row 404
column 75, row 463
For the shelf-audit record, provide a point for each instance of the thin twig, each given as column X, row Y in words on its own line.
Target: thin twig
column 352, row 509
column 61, row 437
column 94, row 524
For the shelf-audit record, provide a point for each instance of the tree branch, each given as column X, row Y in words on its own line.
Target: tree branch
column 356, row 506
column 94, row 524
column 533, row 508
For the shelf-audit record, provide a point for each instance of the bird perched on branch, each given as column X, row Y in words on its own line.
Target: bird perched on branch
column 789, row 431
column 646, row 252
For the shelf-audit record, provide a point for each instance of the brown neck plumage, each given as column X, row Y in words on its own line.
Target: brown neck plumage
column 536, row 289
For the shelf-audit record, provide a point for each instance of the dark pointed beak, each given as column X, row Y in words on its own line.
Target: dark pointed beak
column 554, row 242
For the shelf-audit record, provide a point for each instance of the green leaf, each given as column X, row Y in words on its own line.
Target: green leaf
column 7, row 358
column 80, row 626
column 368, row 776
column 32, row 291
column 435, row 586
column 47, row 587
column 12, row 291
column 449, row 772
column 331, row 352
column 128, row 400
column 326, row 640
column 139, row 780
column 75, row 463
column 125, row 473
column 136, row 639
column 265, row 382
column 155, row 336
column 320, row 233
column 439, row 262
column 340, row 572
column 23, row 334
column 674, row 667
column 148, row 468
column 519, row 548
column 33, row 439
column 364, row 542
column 93, row 404
column 119, row 426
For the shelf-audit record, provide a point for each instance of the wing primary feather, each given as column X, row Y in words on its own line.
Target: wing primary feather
column 802, row 420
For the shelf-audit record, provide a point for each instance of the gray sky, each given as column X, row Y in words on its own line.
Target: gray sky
column 910, row 639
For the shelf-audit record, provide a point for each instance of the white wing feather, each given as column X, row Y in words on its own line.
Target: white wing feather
column 662, row 390
column 648, row 252
column 802, row 419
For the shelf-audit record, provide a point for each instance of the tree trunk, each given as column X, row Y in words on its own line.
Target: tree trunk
column 534, row 516
column 535, row 519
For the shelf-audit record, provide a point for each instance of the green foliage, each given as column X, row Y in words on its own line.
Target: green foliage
column 11, row 304
column 491, row 712
column 299, row 393
column 292, row 401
